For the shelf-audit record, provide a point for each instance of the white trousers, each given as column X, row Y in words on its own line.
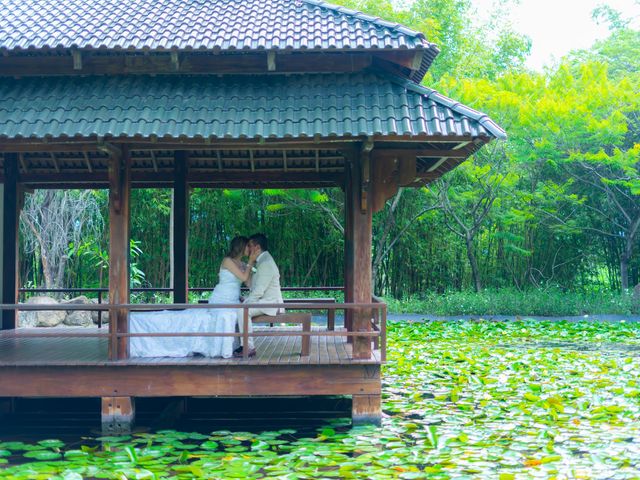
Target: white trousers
column 253, row 312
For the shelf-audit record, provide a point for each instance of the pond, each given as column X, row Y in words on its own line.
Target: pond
column 464, row 399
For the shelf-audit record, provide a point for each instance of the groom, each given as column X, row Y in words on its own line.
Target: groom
column 265, row 287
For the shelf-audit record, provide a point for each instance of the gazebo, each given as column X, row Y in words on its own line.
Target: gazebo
column 217, row 94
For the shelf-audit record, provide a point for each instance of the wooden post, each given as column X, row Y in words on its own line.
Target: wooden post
column 366, row 409
column 10, row 217
column 180, row 231
column 349, row 255
column 7, row 406
column 119, row 196
column 358, row 248
column 118, row 415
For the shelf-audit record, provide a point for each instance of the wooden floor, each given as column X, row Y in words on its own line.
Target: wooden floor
column 88, row 351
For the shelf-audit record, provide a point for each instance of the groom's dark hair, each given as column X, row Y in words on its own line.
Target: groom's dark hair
column 260, row 239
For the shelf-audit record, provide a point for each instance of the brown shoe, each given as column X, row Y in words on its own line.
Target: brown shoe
column 239, row 352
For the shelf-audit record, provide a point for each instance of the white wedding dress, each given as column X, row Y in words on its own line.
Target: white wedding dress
column 192, row 320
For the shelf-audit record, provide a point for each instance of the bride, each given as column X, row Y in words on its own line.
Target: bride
column 233, row 272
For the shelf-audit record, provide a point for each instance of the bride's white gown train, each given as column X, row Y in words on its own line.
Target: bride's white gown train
column 193, row 320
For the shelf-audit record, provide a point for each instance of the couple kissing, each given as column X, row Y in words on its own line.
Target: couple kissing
column 260, row 273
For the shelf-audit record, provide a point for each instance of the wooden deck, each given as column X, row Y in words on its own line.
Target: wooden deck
column 51, row 367
column 92, row 351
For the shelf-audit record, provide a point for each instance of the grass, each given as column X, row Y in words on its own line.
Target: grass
column 462, row 399
column 551, row 302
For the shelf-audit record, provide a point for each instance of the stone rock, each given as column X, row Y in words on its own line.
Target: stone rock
column 81, row 300
column 78, row 319
column 42, row 318
column 94, row 315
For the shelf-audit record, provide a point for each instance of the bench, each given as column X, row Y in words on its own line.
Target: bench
column 331, row 313
column 302, row 318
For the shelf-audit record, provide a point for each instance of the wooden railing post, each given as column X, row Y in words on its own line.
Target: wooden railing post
column 99, row 311
column 245, row 332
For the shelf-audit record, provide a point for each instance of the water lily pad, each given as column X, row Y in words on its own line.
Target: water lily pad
column 114, row 439
column 51, row 443
column 210, row 445
column 43, row 455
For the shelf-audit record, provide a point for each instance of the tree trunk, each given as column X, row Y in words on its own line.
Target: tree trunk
column 46, row 270
column 625, row 258
column 475, row 273
column 624, row 272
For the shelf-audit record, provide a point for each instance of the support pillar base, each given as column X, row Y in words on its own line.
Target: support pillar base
column 366, row 410
column 7, row 406
column 118, row 415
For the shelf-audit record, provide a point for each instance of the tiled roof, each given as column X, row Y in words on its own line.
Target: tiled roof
column 232, row 107
column 196, row 24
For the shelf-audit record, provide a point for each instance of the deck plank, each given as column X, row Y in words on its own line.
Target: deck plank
column 93, row 351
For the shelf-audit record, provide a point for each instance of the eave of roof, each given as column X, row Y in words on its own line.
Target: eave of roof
column 214, row 25
column 232, row 107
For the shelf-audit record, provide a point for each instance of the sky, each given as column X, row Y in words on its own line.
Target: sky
column 558, row 26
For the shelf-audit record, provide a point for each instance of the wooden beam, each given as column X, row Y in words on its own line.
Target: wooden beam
column 199, row 177
column 154, row 161
column 88, row 63
column 388, row 175
column 180, row 232
column 23, row 163
column 87, row 161
column 55, row 162
column 119, row 235
column 337, row 143
column 10, row 218
column 175, row 61
column 436, row 165
column 77, row 59
column 190, row 380
column 416, row 62
column 427, row 153
column 271, row 61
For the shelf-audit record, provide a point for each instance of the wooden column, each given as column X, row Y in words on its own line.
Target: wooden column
column 119, row 197
column 118, row 415
column 10, row 217
column 180, row 229
column 366, row 409
column 348, row 245
column 358, row 242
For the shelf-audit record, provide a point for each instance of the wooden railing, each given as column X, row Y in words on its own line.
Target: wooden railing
column 377, row 332
column 99, row 292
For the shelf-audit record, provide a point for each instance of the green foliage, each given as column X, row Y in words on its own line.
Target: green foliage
column 461, row 400
column 467, row 49
column 509, row 301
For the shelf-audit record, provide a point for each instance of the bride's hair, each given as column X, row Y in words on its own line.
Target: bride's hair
column 237, row 246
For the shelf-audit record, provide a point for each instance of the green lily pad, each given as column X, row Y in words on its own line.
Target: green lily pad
column 43, row 455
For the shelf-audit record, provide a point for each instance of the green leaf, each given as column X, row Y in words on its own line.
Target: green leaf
column 43, row 455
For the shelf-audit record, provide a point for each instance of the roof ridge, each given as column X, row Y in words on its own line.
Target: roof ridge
column 368, row 18
column 482, row 118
